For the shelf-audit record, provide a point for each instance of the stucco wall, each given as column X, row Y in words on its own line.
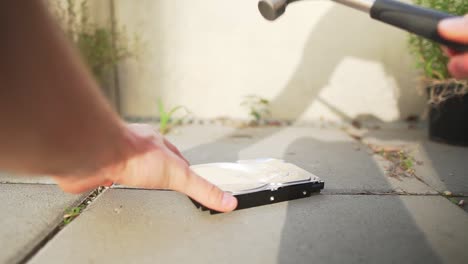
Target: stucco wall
column 320, row 60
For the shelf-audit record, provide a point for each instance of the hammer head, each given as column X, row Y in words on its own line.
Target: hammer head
column 272, row 9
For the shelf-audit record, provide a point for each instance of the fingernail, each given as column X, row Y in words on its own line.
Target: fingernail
column 229, row 201
column 453, row 24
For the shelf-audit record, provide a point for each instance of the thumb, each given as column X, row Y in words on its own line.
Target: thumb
column 206, row 193
column 455, row 29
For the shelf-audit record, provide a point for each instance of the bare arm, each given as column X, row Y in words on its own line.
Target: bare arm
column 52, row 115
column 53, row 119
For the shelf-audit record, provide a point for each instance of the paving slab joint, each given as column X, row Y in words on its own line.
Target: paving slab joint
column 392, row 193
column 65, row 220
column 459, row 201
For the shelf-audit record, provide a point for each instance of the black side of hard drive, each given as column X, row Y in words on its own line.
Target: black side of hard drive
column 264, row 197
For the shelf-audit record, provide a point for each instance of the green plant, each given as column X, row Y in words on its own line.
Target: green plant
column 166, row 120
column 72, row 213
column 401, row 163
column 258, row 107
column 101, row 47
column 431, row 59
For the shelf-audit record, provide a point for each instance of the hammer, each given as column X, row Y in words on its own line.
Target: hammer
column 414, row 19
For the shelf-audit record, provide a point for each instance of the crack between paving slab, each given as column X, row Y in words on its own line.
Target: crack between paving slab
column 459, row 201
column 454, row 199
column 380, row 193
column 324, row 192
column 28, row 183
column 121, row 187
column 84, row 203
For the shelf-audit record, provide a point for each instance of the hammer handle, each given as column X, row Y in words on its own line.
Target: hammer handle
column 418, row 20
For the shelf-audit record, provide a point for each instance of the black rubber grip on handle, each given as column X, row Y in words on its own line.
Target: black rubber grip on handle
column 418, row 20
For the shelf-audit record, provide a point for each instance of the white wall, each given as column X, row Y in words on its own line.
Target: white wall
column 320, row 60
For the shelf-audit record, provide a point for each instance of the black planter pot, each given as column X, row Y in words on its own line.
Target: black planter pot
column 448, row 120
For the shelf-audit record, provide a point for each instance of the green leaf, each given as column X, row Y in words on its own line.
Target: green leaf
column 256, row 115
column 165, row 118
column 407, row 164
column 173, row 110
column 161, row 107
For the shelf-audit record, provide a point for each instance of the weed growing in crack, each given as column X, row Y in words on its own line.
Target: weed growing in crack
column 166, row 119
column 258, row 107
column 401, row 162
column 73, row 212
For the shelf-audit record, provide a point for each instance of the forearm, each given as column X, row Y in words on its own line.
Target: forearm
column 53, row 117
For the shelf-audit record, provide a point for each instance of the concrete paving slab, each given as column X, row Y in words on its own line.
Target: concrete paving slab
column 6, row 177
column 444, row 167
column 138, row 226
column 28, row 214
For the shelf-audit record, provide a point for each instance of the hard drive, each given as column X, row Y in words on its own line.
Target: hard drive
column 260, row 181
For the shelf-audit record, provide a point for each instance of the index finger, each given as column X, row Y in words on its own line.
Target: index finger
column 207, row 193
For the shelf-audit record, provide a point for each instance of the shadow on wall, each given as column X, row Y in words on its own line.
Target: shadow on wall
column 341, row 33
column 346, row 33
column 133, row 77
column 104, row 14
column 357, row 37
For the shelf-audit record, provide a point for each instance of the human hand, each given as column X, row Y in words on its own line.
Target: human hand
column 456, row 29
column 158, row 165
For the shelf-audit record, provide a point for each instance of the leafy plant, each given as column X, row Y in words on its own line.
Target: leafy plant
column 431, row 59
column 258, row 107
column 101, row 48
column 166, row 120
